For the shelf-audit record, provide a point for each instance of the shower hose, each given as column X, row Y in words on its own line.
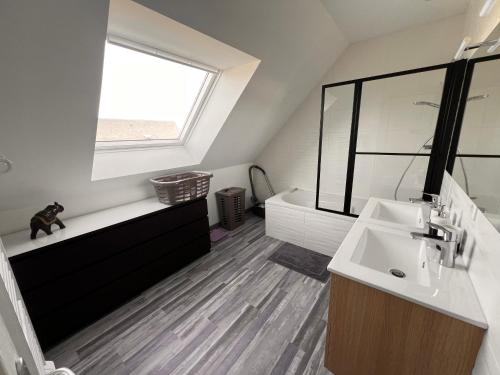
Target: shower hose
column 413, row 160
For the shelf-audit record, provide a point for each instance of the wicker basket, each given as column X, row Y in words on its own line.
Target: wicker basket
column 181, row 187
column 231, row 206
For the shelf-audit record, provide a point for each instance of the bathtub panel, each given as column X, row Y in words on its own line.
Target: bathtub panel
column 324, row 234
column 285, row 224
column 291, row 217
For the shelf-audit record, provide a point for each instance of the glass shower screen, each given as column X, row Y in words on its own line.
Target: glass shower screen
column 337, row 111
column 376, row 138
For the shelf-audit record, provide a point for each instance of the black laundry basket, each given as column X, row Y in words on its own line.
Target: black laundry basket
column 231, row 206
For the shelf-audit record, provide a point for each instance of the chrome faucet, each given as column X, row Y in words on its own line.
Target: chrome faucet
column 447, row 244
column 434, row 203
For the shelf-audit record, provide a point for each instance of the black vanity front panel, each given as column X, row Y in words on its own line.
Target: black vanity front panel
column 68, row 320
column 70, row 284
column 62, row 291
column 63, row 258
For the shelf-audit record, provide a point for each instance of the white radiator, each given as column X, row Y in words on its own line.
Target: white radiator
column 18, row 323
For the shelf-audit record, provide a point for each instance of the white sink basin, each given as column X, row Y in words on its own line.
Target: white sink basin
column 394, row 213
column 370, row 251
column 393, row 254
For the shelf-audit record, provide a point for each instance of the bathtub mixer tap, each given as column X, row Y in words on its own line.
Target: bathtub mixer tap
column 435, row 204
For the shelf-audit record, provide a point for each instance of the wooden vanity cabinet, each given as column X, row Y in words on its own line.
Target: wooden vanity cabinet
column 373, row 332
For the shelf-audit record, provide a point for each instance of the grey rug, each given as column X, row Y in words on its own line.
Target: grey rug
column 307, row 262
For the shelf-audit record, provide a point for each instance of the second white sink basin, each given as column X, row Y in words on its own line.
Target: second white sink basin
column 394, row 254
column 394, row 213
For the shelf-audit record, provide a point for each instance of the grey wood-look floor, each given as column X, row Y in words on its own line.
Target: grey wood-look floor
column 230, row 312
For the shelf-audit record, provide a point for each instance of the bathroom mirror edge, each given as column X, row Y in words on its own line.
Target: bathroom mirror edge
column 474, row 154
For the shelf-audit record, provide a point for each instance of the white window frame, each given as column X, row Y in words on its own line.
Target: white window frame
column 197, row 108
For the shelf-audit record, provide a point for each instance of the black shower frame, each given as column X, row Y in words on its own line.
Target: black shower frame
column 438, row 157
column 468, row 76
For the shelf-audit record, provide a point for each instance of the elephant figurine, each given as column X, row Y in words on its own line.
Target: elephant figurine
column 44, row 219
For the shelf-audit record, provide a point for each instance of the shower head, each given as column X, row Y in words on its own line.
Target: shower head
column 478, row 97
column 469, row 99
column 430, row 104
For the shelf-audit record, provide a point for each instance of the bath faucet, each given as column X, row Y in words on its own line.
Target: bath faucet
column 447, row 244
column 434, row 203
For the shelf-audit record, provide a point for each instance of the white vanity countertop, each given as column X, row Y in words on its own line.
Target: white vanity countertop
column 20, row 242
column 447, row 290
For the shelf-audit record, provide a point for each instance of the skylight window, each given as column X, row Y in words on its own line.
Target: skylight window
column 149, row 97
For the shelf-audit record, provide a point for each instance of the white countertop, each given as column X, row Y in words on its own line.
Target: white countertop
column 20, row 242
column 448, row 290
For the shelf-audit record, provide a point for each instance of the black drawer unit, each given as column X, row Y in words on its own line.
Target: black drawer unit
column 70, row 284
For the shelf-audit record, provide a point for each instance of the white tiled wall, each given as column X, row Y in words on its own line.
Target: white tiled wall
column 480, row 134
column 290, row 158
column 482, row 257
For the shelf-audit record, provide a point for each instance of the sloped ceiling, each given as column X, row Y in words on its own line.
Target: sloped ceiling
column 296, row 40
column 365, row 19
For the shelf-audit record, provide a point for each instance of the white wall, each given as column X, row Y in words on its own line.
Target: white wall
column 227, row 177
column 290, row 158
column 482, row 258
column 50, row 67
column 50, row 74
column 296, row 40
column 17, row 219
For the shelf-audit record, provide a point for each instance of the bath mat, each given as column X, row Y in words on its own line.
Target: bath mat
column 217, row 234
column 304, row 261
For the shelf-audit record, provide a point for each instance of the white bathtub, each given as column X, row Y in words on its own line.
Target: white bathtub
column 291, row 217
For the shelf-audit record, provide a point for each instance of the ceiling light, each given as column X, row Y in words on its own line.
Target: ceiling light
column 487, row 7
